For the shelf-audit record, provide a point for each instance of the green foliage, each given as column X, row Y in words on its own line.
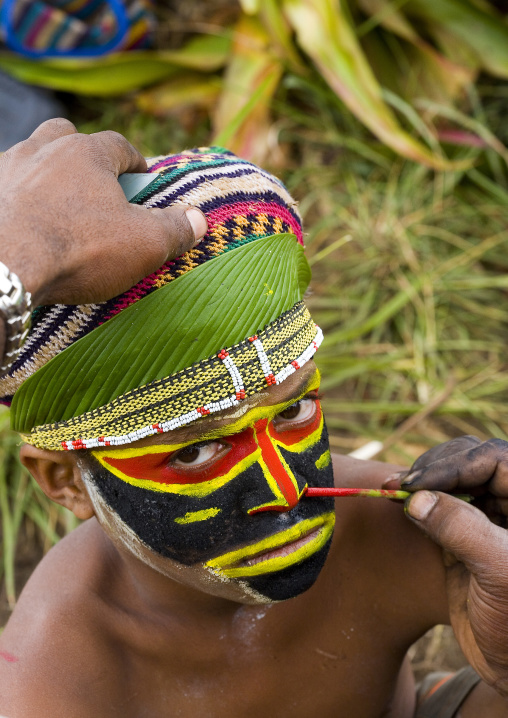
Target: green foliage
column 119, row 73
column 410, row 265
column 412, row 300
column 399, row 66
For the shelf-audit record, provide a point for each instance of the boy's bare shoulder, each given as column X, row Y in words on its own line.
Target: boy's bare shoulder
column 349, row 471
column 58, row 649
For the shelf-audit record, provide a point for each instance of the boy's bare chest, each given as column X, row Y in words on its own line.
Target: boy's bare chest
column 255, row 669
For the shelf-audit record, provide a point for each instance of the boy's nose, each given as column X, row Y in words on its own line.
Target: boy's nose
column 284, row 488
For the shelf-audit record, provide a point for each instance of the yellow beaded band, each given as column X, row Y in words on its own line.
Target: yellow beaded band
column 211, row 385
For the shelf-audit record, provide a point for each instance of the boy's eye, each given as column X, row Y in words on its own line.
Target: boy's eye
column 299, row 412
column 197, row 454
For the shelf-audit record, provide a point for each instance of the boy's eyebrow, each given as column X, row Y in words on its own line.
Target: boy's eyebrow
column 235, row 427
column 303, row 386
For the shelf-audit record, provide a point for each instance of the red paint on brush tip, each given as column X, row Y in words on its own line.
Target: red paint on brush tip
column 8, row 657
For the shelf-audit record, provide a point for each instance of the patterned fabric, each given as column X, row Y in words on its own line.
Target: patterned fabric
column 212, row 385
column 48, row 28
column 242, row 203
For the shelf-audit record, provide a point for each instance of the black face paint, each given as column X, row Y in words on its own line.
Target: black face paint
column 244, row 512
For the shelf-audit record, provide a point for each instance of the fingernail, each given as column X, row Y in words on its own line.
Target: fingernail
column 198, row 222
column 410, row 478
column 421, row 504
column 393, row 479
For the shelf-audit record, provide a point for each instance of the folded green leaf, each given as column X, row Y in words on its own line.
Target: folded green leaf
column 216, row 305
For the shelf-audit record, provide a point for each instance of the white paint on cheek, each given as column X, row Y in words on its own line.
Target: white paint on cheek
column 115, row 526
column 119, row 530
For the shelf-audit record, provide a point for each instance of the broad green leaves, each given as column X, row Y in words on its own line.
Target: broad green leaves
column 122, row 72
column 399, row 66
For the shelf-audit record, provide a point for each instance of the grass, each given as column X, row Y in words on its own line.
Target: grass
column 409, row 286
column 413, row 306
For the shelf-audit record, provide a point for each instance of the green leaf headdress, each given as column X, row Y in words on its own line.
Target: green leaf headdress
column 181, row 344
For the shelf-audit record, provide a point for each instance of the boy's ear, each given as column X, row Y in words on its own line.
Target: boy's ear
column 59, row 476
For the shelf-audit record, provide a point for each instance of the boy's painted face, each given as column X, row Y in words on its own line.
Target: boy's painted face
column 229, row 501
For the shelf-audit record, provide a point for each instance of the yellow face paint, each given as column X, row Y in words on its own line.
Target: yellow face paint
column 324, row 460
column 181, row 501
column 227, row 564
column 248, row 419
column 150, row 468
column 199, row 490
column 192, row 516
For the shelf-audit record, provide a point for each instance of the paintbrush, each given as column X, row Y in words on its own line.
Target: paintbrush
column 394, row 494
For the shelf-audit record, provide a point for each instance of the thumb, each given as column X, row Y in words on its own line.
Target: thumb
column 460, row 529
column 162, row 234
column 180, row 227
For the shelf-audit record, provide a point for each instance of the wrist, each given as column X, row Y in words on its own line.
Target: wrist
column 15, row 312
column 18, row 252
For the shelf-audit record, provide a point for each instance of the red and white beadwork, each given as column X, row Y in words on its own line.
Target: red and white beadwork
column 212, row 407
column 263, row 360
column 234, row 374
column 302, row 359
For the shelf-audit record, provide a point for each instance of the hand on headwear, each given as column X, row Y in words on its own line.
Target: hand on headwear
column 474, row 539
column 66, row 228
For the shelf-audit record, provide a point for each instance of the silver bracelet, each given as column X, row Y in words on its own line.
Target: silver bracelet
column 15, row 310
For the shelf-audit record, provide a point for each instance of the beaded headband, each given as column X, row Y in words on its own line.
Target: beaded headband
column 153, row 359
column 214, row 384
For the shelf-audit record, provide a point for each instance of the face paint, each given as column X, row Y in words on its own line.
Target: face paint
column 232, row 502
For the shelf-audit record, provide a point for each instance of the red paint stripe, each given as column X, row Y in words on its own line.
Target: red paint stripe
column 157, row 467
column 276, row 469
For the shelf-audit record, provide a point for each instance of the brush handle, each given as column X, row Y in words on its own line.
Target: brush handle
column 370, row 493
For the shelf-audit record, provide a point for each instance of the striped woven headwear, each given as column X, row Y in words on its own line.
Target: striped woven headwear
column 242, row 203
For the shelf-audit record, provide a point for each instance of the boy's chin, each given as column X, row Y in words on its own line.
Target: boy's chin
column 272, row 587
column 292, row 581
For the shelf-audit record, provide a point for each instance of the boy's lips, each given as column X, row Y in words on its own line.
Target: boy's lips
column 278, row 551
column 284, row 550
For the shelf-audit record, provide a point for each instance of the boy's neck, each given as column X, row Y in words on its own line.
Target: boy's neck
column 134, row 585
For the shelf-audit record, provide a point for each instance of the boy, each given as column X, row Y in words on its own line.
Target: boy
column 182, row 419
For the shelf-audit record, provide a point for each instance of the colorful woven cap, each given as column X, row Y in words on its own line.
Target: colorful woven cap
column 180, row 344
